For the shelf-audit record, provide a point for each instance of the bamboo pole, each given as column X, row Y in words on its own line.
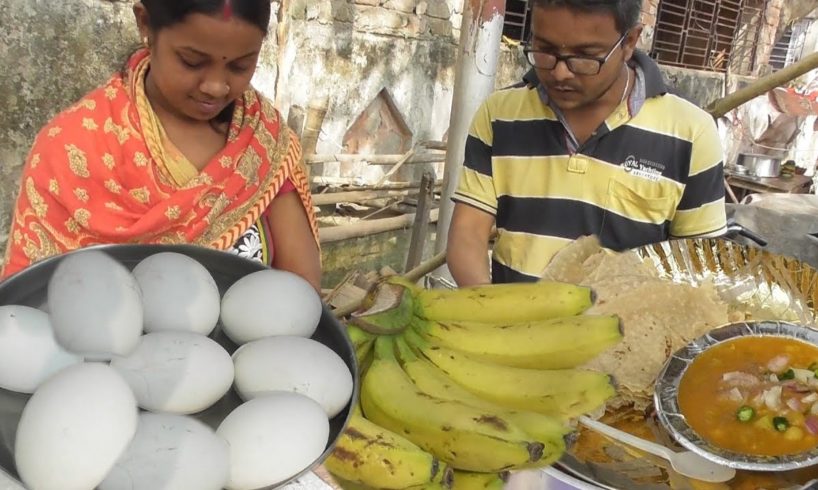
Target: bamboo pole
column 362, row 196
column 763, row 85
column 366, row 228
column 409, row 154
column 413, row 275
column 427, row 157
column 316, row 112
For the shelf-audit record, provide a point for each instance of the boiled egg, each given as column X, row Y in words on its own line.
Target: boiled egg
column 95, row 306
column 270, row 302
column 28, row 352
column 296, row 364
column 176, row 372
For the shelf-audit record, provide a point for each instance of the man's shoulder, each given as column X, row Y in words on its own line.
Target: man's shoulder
column 682, row 110
column 506, row 103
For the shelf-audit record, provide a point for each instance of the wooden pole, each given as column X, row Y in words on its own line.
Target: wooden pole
column 413, row 275
column 409, row 154
column 763, row 85
column 420, row 228
column 366, row 228
column 362, row 196
column 427, row 157
column 316, row 112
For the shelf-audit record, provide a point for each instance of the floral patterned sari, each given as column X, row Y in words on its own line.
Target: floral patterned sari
column 104, row 171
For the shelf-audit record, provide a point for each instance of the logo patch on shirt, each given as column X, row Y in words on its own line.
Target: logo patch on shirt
column 646, row 169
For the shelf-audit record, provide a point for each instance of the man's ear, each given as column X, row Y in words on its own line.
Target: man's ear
column 631, row 41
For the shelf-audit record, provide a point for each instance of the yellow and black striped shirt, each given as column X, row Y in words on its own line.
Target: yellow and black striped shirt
column 653, row 170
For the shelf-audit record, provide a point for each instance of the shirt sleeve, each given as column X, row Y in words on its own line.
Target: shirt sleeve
column 701, row 210
column 476, row 184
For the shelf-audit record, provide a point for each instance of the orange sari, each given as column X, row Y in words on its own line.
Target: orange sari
column 104, row 171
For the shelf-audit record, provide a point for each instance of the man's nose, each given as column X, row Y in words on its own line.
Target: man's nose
column 561, row 71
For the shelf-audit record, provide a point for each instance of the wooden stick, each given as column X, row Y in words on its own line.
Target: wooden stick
column 360, row 196
column 763, row 85
column 409, row 154
column 420, row 228
column 730, row 191
column 316, row 112
column 413, row 275
column 366, row 228
column 374, row 159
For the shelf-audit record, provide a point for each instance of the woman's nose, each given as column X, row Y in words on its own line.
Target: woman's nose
column 218, row 89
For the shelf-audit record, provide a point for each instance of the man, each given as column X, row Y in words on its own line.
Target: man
column 592, row 144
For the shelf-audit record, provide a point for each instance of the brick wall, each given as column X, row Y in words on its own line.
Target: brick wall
column 649, row 12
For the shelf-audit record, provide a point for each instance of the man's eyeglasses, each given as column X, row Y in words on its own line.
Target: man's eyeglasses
column 577, row 64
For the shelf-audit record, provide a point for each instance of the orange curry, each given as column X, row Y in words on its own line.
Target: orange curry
column 754, row 395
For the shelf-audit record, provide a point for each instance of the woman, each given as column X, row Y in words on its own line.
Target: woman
column 178, row 148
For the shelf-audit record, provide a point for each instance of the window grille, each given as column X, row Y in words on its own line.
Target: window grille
column 704, row 34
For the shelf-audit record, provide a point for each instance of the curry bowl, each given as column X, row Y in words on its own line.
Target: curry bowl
column 747, row 414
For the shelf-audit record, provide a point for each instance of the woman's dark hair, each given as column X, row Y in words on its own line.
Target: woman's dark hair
column 166, row 13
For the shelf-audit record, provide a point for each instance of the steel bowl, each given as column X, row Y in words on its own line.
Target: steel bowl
column 670, row 415
column 29, row 287
column 760, row 165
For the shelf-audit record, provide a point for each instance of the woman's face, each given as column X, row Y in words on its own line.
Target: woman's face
column 200, row 65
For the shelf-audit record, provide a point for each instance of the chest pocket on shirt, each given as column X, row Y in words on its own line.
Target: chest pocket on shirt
column 626, row 201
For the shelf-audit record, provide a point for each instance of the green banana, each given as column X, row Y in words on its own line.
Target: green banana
column 464, row 437
column 550, row 344
column 562, row 393
column 497, row 303
column 551, row 432
column 367, row 454
column 470, row 480
column 390, row 309
column 362, row 341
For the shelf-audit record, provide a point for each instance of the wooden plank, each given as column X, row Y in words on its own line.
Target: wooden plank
column 360, row 196
column 420, row 228
column 365, row 228
column 427, row 157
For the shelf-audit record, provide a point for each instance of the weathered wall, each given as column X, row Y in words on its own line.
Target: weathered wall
column 51, row 54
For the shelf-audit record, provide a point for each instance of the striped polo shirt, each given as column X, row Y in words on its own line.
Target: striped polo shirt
column 652, row 170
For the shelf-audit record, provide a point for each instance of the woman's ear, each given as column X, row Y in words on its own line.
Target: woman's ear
column 142, row 22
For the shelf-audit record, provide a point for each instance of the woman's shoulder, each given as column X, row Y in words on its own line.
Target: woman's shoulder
column 84, row 118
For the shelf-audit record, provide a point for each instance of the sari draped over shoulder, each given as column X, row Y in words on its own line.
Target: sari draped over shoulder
column 104, row 171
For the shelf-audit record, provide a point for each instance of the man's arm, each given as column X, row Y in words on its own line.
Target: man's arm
column 467, row 251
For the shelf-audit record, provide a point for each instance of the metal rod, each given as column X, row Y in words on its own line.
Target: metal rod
column 476, row 67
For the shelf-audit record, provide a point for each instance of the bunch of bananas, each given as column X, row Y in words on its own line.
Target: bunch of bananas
column 461, row 386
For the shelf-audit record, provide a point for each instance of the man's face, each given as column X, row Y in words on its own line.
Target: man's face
column 567, row 32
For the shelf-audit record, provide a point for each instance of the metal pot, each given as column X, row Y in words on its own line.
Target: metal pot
column 760, row 165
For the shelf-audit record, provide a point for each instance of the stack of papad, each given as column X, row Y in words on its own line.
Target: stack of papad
column 659, row 316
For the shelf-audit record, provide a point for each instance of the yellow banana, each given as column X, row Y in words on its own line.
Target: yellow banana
column 496, row 303
column 370, row 455
column 550, row 344
column 464, row 437
column 470, row 480
column 563, row 393
column 550, row 431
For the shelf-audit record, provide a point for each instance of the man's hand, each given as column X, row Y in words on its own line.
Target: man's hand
column 468, row 246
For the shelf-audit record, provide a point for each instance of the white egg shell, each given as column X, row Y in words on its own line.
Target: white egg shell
column 171, row 452
column 95, row 306
column 270, row 302
column 74, row 428
column 178, row 293
column 176, row 372
column 296, row 364
column 28, row 352
column 273, row 438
